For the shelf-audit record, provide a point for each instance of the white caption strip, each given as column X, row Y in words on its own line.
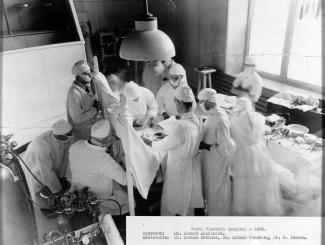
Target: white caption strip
column 224, row 230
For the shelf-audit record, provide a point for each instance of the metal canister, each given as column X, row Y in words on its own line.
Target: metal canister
column 17, row 225
column 63, row 223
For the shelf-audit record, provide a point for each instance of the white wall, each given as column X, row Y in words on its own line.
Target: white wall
column 34, row 85
column 236, row 35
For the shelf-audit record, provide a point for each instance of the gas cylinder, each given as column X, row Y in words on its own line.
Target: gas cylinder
column 16, row 219
column 63, row 223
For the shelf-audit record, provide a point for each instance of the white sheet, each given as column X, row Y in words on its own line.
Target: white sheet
column 141, row 159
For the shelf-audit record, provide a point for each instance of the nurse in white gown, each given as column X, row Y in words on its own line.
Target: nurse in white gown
column 217, row 145
column 256, row 188
column 165, row 96
column 182, row 190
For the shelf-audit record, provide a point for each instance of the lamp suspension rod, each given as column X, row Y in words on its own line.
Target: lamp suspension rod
column 145, row 2
column 6, row 17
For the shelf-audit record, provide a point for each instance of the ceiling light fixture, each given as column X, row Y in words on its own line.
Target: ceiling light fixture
column 146, row 42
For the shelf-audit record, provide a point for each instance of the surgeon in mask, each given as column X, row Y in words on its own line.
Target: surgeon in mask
column 182, row 190
column 141, row 104
column 165, row 98
column 216, row 146
column 47, row 158
column 81, row 106
column 92, row 166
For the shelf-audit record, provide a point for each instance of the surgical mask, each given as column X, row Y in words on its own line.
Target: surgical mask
column 203, row 108
column 64, row 138
column 175, row 80
column 86, row 77
column 174, row 84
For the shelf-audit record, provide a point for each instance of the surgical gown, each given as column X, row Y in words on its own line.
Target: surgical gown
column 182, row 190
column 165, row 100
column 256, row 188
column 145, row 107
column 152, row 76
column 80, row 111
column 215, row 163
column 47, row 158
column 91, row 166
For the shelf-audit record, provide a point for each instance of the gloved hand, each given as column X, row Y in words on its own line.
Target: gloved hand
column 146, row 141
column 65, row 183
column 137, row 124
column 204, row 146
column 97, row 105
column 165, row 115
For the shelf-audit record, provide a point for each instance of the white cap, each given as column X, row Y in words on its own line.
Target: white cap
column 168, row 61
column 80, row 67
column 249, row 61
column 252, row 83
column 61, row 127
column 176, row 69
column 131, row 90
column 100, row 129
column 208, row 94
column 184, row 93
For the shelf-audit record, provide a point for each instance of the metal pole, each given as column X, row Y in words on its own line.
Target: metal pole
column 130, row 189
column 145, row 2
column 136, row 72
column 6, row 16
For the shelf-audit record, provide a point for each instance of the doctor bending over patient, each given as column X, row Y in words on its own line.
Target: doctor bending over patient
column 141, row 104
column 92, row 166
column 47, row 157
column 182, row 190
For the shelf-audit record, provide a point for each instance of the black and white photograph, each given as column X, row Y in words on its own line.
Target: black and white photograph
column 112, row 109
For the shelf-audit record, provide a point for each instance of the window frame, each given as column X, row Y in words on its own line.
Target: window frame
column 283, row 77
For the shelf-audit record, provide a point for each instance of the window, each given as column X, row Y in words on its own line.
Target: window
column 35, row 23
column 285, row 38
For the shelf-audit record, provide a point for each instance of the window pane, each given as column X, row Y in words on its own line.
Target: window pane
column 305, row 62
column 268, row 34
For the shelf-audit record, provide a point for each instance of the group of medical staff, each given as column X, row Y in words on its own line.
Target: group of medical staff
column 215, row 159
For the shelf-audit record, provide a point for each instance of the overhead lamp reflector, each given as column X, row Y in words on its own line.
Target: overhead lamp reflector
column 147, row 43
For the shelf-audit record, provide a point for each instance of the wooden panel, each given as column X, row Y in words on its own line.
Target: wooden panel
column 213, row 32
column 198, row 29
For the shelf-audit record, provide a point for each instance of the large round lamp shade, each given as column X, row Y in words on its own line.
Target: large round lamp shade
column 147, row 43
